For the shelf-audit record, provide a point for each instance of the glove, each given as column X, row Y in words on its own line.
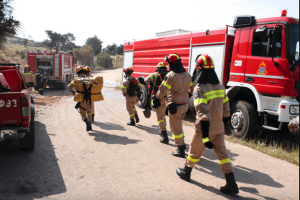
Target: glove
column 205, row 131
column 155, row 102
column 73, row 92
column 225, row 120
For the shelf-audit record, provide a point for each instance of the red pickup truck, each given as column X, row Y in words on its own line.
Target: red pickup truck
column 16, row 108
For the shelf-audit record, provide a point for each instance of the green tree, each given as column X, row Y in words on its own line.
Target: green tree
column 65, row 41
column 104, row 60
column 95, row 43
column 120, row 49
column 8, row 25
column 84, row 55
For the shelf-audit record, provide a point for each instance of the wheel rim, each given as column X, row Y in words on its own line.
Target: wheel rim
column 237, row 120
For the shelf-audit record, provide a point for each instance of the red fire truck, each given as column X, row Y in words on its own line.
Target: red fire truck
column 57, row 67
column 257, row 60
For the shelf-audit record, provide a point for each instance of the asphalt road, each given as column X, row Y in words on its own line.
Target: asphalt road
column 115, row 161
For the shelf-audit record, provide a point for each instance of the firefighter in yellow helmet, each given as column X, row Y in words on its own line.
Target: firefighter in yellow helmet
column 84, row 107
column 155, row 80
column 131, row 89
column 212, row 108
column 29, row 77
column 176, row 86
column 87, row 72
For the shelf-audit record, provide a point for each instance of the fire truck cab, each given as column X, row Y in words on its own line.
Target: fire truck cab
column 257, row 60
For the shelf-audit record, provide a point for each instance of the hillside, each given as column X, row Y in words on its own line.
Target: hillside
column 13, row 53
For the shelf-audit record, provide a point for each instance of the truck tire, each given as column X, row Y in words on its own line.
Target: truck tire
column 28, row 141
column 31, row 98
column 243, row 119
column 144, row 101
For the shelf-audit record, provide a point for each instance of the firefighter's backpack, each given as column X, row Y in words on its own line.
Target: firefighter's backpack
column 159, row 80
column 133, row 87
column 96, row 85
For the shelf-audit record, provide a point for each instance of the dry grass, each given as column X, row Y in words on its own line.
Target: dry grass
column 11, row 53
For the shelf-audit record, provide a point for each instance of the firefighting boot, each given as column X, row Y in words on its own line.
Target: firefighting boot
column 137, row 120
column 88, row 125
column 179, row 152
column 231, row 186
column 165, row 138
column 184, row 173
column 93, row 117
column 131, row 123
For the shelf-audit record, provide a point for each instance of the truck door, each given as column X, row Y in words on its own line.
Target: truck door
column 128, row 61
column 260, row 70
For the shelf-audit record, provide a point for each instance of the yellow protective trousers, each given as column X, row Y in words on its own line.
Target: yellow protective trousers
column 130, row 105
column 176, row 124
column 160, row 114
column 197, row 148
column 86, row 111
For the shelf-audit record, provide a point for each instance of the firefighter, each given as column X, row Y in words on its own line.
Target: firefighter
column 131, row 89
column 155, row 80
column 84, row 106
column 87, row 72
column 176, row 86
column 212, row 108
column 29, row 77
column 39, row 79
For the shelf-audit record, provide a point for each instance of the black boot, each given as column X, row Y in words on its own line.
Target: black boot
column 88, row 125
column 137, row 120
column 184, row 173
column 231, row 186
column 179, row 152
column 131, row 123
column 165, row 138
column 93, row 117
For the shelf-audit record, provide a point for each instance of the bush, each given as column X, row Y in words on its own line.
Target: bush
column 103, row 60
column 23, row 54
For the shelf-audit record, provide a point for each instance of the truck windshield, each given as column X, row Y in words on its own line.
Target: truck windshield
column 294, row 39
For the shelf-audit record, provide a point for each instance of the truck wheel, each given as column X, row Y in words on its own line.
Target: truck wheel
column 243, row 119
column 28, row 141
column 144, row 102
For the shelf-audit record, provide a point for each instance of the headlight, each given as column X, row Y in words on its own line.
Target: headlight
column 294, row 110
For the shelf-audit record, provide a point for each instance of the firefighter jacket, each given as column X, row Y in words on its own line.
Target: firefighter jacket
column 38, row 77
column 151, row 78
column 29, row 77
column 125, row 85
column 177, row 87
column 211, row 104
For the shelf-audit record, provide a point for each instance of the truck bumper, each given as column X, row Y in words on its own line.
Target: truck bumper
column 284, row 112
column 12, row 133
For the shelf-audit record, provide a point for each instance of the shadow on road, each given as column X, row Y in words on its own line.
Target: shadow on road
column 112, row 139
column 109, row 126
column 242, row 174
column 30, row 174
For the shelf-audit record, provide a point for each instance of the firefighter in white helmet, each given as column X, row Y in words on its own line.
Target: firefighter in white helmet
column 155, row 80
column 84, row 106
column 177, row 86
column 29, row 77
column 131, row 89
column 87, row 72
column 212, row 109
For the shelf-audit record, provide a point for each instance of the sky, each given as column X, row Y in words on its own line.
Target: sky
column 114, row 21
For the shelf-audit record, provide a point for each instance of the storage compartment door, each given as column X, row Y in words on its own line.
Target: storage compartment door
column 216, row 52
